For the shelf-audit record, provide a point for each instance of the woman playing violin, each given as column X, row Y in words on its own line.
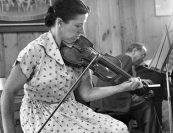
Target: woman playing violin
column 41, row 71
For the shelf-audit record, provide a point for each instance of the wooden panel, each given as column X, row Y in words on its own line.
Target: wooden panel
column 115, row 27
column 149, row 27
column 127, row 22
column 25, row 28
column 11, row 50
column 23, row 39
column 36, row 34
column 91, row 25
column 140, row 24
column 103, row 26
column 2, row 59
column 104, row 32
column 140, row 20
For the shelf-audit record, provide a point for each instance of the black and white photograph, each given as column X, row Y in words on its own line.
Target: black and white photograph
column 86, row 66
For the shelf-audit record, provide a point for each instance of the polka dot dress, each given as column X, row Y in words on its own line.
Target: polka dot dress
column 49, row 79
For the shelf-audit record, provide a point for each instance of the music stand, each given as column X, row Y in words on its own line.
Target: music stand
column 161, row 61
column 163, row 52
column 168, row 81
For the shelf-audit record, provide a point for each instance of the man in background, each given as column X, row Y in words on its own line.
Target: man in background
column 128, row 105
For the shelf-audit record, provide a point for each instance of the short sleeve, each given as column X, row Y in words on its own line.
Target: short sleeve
column 27, row 59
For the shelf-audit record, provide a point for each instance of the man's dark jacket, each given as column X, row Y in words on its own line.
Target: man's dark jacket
column 118, row 103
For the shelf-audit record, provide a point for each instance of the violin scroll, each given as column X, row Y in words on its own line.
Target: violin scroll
column 79, row 54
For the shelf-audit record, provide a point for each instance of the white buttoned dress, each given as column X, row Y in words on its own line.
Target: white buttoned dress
column 49, row 79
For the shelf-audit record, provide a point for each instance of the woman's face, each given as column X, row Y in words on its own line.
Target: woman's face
column 73, row 29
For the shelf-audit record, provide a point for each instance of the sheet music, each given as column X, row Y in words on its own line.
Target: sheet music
column 164, row 51
column 170, row 63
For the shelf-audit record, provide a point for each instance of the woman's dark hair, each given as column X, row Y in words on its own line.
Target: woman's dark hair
column 66, row 10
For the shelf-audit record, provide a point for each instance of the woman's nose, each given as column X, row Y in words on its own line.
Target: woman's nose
column 81, row 30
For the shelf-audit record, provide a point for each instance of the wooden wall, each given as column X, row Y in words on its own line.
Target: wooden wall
column 112, row 25
column 10, row 45
column 139, row 23
column 103, row 26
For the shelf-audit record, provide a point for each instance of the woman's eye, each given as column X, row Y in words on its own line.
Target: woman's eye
column 78, row 26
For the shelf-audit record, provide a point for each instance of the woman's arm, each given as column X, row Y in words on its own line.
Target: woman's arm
column 90, row 93
column 13, row 84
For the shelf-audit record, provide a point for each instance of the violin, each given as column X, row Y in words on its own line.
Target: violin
column 82, row 52
column 106, row 67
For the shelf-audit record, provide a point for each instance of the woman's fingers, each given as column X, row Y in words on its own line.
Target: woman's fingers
column 136, row 83
column 147, row 81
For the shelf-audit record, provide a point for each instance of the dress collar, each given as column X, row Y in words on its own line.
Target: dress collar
column 50, row 46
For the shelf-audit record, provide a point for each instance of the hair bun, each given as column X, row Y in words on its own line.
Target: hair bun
column 50, row 17
column 50, row 10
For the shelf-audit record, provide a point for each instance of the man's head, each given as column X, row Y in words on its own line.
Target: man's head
column 137, row 51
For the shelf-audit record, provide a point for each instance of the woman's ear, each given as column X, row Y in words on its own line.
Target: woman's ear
column 59, row 22
column 134, row 50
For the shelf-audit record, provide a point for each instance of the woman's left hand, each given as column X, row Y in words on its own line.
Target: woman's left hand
column 136, row 83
